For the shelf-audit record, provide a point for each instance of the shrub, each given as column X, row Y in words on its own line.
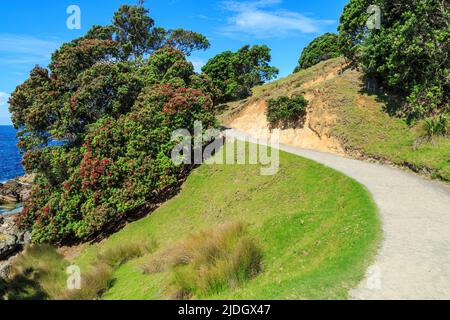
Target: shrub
column 208, row 262
column 285, row 111
column 123, row 164
column 435, row 126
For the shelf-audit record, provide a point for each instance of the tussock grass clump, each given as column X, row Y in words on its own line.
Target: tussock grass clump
column 436, row 126
column 40, row 272
column 119, row 255
column 37, row 273
column 101, row 275
column 208, row 262
column 93, row 284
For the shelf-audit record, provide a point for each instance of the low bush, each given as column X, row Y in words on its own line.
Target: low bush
column 285, row 111
column 208, row 262
column 435, row 126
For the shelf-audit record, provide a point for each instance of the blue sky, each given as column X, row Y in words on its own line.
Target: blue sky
column 31, row 30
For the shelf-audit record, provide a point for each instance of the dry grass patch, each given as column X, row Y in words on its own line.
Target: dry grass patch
column 100, row 277
column 37, row 273
column 40, row 272
column 93, row 284
column 208, row 262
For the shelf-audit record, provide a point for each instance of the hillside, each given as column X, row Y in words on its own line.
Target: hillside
column 318, row 231
column 342, row 119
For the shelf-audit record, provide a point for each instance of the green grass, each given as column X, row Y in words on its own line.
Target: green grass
column 318, row 231
column 364, row 126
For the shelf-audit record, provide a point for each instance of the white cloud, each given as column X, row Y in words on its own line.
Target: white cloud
column 260, row 19
column 3, row 98
column 21, row 49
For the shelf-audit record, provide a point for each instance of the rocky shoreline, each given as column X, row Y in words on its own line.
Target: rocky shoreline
column 16, row 190
column 12, row 240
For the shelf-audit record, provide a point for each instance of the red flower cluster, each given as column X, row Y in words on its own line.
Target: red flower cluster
column 183, row 99
column 92, row 170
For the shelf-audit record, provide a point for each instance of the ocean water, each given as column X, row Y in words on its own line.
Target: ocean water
column 10, row 157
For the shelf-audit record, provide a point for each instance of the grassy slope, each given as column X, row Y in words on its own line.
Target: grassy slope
column 318, row 228
column 362, row 125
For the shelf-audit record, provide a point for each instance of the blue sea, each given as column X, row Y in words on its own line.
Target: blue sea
column 10, row 157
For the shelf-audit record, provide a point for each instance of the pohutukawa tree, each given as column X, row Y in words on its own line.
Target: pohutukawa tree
column 236, row 73
column 408, row 56
column 95, row 126
column 320, row 49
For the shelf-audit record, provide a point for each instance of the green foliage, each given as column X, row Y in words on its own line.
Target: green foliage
column 320, row 49
column 285, row 111
column 352, row 27
column 111, row 100
column 135, row 32
column 164, row 65
column 435, row 126
column 205, row 84
column 236, row 73
column 126, row 163
column 186, row 41
column 104, row 89
column 77, row 56
column 408, row 56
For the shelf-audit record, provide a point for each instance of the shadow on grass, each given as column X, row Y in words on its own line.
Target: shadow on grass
column 22, row 287
column 391, row 103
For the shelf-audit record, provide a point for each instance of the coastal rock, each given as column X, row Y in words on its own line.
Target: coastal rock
column 5, row 269
column 15, row 191
column 9, row 244
column 12, row 239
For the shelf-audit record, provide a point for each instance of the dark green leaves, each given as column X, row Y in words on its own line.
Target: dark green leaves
column 409, row 56
column 235, row 74
column 320, row 49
